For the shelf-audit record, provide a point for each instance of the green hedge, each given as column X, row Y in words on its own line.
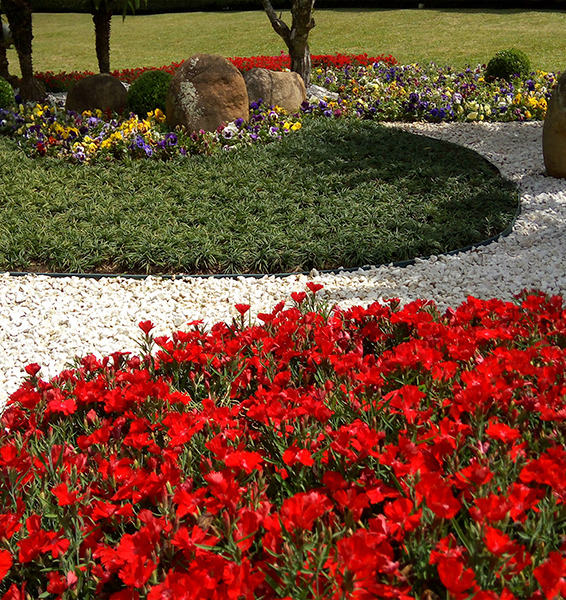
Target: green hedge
column 168, row 6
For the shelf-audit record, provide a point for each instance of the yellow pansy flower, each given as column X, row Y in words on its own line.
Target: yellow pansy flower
column 159, row 116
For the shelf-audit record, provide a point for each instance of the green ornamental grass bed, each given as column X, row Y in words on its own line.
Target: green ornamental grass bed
column 336, row 194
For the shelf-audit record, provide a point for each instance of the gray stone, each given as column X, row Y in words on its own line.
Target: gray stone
column 97, row 91
column 205, row 92
column 554, row 132
column 280, row 88
column 319, row 93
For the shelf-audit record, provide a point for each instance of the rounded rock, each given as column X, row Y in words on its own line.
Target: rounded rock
column 206, row 92
column 554, row 132
column 102, row 91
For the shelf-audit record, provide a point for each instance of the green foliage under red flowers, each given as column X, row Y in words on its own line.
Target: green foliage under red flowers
column 380, row 452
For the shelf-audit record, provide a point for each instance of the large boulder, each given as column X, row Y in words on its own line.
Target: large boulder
column 97, row 91
column 281, row 88
column 554, row 131
column 205, row 92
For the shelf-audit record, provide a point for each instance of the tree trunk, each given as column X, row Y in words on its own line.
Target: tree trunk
column 18, row 13
column 301, row 59
column 31, row 89
column 4, row 72
column 296, row 37
column 102, row 18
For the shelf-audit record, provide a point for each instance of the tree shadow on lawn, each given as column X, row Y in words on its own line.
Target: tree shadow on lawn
column 432, row 196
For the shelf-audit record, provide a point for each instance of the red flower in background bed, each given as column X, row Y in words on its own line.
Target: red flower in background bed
column 62, row 81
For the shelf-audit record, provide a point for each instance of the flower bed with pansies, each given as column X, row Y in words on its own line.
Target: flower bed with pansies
column 379, row 452
column 374, row 88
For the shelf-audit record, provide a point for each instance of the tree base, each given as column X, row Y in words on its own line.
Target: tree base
column 32, row 90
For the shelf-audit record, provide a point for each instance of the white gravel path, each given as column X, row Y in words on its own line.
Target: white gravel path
column 50, row 320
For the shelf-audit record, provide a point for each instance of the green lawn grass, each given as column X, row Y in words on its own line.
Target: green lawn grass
column 65, row 42
column 336, row 194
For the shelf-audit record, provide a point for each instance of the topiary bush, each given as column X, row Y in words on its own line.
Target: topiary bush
column 507, row 63
column 149, row 92
column 7, row 98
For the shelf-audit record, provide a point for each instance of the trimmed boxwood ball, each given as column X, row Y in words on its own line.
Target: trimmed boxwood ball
column 507, row 63
column 148, row 92
column 7, row 99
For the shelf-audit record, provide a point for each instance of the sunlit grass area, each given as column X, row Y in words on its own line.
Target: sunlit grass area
column 455, row 37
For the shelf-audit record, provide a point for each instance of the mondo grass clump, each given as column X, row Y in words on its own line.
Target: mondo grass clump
column 334, row 194
column 377, row 452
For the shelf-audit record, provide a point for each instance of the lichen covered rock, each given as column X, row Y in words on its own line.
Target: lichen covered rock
column 205, row 92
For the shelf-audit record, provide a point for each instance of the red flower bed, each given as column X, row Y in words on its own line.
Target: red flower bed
column 283, row 61
column 378, row 452
column 63, row 80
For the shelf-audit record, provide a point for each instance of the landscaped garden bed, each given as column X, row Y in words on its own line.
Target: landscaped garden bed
column 342, row 193
column 383, row 452
column 350, row 211
column 368, row 88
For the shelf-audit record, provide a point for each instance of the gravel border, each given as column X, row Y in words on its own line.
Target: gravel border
column 49, row 320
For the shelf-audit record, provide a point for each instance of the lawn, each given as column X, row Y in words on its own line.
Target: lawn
column 454, row 37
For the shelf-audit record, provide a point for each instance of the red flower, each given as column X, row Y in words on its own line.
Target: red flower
column 551, row 575
column 454, row 576
column 58, row 403
column 438, row 495
column 303, row 509
column 295, row 455
column 492, row 508
column 502, row 432
column 5, row 563
column 242, row 308
column 224, row 490
column 247, row 461
column 314, row 287
column 146, row 326
column 9, row 524
column 193, row 542
column 298, row 297
column 497, row 542
column 57, row 583
column 522, row 498
column 15, row 592
column 64, row 497
column 399, row 517
column 33, row 369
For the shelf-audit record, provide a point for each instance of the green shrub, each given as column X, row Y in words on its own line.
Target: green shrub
column 7, row 98
column 148, row 92
column 507, row 63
